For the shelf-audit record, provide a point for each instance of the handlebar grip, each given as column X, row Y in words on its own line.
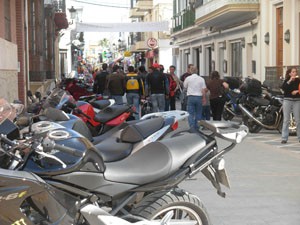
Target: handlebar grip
column 6, row 140
column 49, row 144
column 68, row 150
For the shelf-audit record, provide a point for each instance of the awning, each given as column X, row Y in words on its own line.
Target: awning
column 123, row 27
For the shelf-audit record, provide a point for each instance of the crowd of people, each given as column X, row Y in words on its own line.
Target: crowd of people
column 200, row 97
column 203, row 98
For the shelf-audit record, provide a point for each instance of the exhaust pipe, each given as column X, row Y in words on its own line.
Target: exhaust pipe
column 230, row 111
column 248, row 114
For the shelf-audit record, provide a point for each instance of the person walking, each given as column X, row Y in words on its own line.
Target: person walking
column 183, row 94
column 100, row 80
column 134, row 90
column 174, row 84
column 116, row 85
column 291, row 103
column 157, row 88
column 216, row 87
column 195, row 88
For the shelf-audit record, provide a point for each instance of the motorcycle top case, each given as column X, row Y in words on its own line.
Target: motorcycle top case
column 252, row 87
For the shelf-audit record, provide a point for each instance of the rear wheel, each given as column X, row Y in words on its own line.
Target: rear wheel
column 186, row 207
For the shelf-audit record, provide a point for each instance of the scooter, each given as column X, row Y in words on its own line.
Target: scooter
column 144, row 184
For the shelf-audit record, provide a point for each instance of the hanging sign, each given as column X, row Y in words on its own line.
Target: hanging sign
column 152, row 43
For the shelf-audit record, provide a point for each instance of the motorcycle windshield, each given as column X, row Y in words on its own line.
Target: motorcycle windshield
column 57, row 98
column 7, row 111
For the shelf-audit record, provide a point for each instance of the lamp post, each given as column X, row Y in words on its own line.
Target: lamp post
column 73, row 14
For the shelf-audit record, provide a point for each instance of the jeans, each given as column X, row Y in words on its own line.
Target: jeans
column 290, row 106
column 134, row 99
column 217, row 106
column 194, row 108
column 206, row 112
column 158, row 102
column 118, row 99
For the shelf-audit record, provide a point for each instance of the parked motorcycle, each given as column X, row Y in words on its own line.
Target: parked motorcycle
column 144, row 184
column 25, row 190
column 264, row 112
column 109, row 116
column 231, row 107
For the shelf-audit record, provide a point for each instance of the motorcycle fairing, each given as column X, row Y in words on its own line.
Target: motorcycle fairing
column 25, row 196
column 93, row 183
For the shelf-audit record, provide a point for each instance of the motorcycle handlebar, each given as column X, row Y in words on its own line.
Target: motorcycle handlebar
column 6, row 140
column 49, row 144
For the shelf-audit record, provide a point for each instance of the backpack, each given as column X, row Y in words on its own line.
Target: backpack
column 252, row 87
column 132, row 82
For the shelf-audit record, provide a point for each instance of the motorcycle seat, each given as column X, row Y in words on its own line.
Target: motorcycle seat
column 261, row 101
column 110, row 113
column 117, row 148
column 100, row 104
column 155, row 161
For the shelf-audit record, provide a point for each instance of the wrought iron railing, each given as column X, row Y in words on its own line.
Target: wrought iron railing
column 184, row 20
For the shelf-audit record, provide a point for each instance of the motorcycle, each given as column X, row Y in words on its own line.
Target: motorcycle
column 231, row 108
column 109, row 116
column 144, row 184
column 20, row 188
column 264, row 112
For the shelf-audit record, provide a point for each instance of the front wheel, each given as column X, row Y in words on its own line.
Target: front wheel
column 252, row 125
column 186, row 207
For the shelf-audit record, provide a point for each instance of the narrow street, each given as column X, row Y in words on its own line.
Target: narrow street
column 264, row 177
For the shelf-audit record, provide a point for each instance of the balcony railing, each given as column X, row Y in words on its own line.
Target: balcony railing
column 184, row 20
column 225, row 13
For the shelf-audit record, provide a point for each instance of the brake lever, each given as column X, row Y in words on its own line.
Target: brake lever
column 40, row 152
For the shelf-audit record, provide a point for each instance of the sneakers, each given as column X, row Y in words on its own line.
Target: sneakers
column 284, row 142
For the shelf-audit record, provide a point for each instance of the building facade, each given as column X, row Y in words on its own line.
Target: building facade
column 153, row 46
column 238, row 38
column 29, row 38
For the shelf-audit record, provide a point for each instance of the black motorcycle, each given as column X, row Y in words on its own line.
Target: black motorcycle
column 261, row 109
column 142, row 185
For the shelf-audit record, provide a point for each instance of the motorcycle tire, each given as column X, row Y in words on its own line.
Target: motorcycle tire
column 252, row 126
column 226, row 115
column 184, row 205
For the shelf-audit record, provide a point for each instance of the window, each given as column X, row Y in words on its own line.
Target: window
column 236, row 60
column 7, row 20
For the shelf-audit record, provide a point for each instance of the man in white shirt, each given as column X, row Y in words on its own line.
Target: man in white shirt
column 196, row 89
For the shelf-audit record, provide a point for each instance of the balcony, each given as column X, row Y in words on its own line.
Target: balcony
column 139, row 46
column 226, row 13
column 183, row 20
column 133, row 13
column 59, row 5
column 143, row 5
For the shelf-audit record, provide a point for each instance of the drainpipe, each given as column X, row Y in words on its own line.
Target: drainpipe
column 26, row 61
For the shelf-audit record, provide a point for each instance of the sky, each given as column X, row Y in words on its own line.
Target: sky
column 102, row 11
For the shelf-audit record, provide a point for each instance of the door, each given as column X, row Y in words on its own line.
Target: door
column 279, row 41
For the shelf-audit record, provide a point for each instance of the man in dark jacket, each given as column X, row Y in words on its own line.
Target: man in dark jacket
column 116, row 85
column 100, row 80
column 157, row 88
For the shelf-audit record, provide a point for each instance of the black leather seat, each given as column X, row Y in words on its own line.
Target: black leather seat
column 117, row 148
column 111, row 112
column 100, row 104
column 155, row 161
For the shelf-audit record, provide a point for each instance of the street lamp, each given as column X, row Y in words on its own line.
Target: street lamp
column 73, row 14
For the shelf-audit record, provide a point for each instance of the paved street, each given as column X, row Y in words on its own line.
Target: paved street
column 265, row 180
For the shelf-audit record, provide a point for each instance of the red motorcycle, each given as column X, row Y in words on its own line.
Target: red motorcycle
column 98, row 122
column 77, row 87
